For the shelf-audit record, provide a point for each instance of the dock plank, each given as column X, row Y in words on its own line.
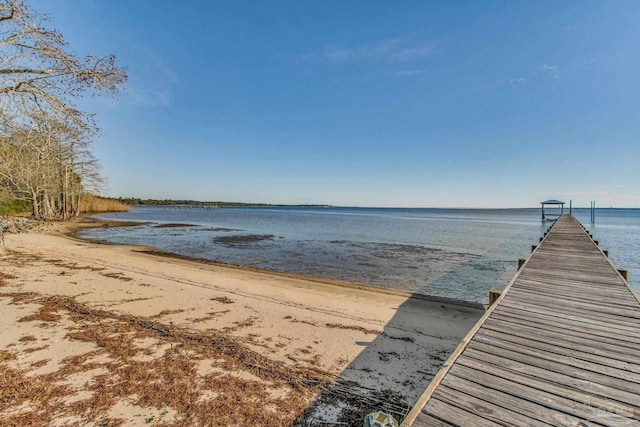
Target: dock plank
column 424, row 420
column 623, row 391
column 543, row 352
column 558, row 348
column 515, row 374
column 566, row 411
column 454, row 415
column 575, row 339
column 455, row 386
column 558, row 331
column 562, row 342
column 567, row 319
column 556, row 312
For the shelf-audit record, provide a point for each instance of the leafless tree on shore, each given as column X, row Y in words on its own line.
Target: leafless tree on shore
column 44, row 140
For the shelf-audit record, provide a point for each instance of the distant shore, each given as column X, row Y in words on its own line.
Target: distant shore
column 82, row 314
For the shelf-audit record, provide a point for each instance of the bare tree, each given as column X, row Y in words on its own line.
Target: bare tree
column 44, row 139
column 37, row 71
column 49, row 164
column 24, row 167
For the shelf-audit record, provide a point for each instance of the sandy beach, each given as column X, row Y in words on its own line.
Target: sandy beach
column 97, row 334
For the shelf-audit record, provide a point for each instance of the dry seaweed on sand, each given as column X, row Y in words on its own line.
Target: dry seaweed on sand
column 170, row 379
column 350, row 403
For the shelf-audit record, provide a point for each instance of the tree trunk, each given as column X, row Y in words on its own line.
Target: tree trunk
column 65, row 194
column 3, row 250
column 36, row 207
column 47, row 211
column 78, row 205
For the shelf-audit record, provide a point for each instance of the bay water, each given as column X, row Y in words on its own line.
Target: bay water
column 452, row 253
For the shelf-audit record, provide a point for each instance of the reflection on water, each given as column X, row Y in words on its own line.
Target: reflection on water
column 455, row 253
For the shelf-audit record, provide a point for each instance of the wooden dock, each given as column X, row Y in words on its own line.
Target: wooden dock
column 561, row 346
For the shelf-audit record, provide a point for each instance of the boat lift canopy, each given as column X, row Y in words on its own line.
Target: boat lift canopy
column 552, row 216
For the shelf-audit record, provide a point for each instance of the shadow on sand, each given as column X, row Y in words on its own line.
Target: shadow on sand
column 395, row 368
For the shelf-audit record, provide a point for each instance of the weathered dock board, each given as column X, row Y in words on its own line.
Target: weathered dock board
column 561, row 346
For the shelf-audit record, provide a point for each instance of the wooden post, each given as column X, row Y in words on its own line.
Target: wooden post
column 606, row 253
column 494, row 294
column 533, row 247
column 521, row 262
column 624, row 274
column 541, row 239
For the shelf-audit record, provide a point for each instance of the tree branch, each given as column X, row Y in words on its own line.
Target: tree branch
column 8, row 17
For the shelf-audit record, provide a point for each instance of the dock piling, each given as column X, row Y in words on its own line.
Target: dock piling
column 494, row 294
column 624, row 274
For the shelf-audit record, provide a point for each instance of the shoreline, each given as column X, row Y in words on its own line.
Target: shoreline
column 70, row 230
column 118, row 334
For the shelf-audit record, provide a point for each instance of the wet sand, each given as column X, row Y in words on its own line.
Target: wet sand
column 106, row 333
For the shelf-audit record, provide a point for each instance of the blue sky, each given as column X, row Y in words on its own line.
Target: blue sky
column 367, row 103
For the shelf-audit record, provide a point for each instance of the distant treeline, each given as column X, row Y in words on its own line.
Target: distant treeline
column 132, row 201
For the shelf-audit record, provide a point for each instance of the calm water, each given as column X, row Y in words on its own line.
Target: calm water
column 455, row 253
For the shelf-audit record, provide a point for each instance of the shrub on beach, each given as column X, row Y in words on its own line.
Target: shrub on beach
column 15, row 207
column 96, row 204
column 88, row 204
